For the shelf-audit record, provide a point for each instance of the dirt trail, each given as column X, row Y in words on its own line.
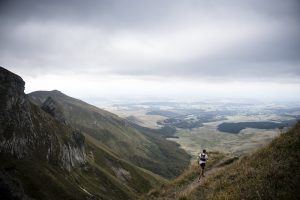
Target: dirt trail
column 195, row 183
column 183, row 191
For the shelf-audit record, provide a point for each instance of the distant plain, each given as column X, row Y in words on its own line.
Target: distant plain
column 197, row 123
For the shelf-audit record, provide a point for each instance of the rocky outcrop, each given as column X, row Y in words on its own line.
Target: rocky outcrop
column 51, row 106
column 27, row 131
column 15, row 116
column 73, row 153
column 11, row 89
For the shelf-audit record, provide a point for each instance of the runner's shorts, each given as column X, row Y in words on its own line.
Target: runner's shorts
column 202, row 165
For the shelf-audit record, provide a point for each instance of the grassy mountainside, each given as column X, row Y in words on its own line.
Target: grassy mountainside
column 171, row 155
column 104, row 176
column 144, row 149
column 172, row 189
column 272, row 172
column 43, row 157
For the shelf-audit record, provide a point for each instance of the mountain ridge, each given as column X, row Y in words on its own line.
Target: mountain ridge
column 36, row 146
column 143, row 147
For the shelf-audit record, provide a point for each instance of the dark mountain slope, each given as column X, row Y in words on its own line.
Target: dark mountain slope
column 26, row 130
column 43, row 157
column 143, row 148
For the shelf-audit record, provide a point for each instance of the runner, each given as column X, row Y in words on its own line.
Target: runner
column 203, row 157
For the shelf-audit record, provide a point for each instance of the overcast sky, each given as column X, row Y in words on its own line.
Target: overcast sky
column 154, row 49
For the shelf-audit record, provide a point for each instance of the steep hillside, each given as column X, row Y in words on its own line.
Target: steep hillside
column 43, row 157
column 176, row 188
column 272, row 172
column 141, row 147
column 26, row 130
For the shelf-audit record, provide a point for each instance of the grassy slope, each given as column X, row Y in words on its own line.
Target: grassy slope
column 169, row 190
column 42, row 180
column 270, row 173
column 140, row 180
column 175, row 155
column 145, row 150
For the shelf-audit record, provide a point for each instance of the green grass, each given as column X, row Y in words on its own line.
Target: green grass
column 35, row 176
column 143, row 147
column 209, row 138
column 141, row 180
column 271, row 172
column 168, row 190
column 43, row 180
column 32, row 162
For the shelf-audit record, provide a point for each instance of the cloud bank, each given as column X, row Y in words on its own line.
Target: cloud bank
column 211, row 41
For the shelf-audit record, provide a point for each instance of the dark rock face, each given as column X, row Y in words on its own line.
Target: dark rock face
column 73, row 153
column 27, row 131
column 11, row 89
column 51, row 106
column 14, row 116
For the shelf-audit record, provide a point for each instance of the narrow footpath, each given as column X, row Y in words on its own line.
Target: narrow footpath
column 195, row 183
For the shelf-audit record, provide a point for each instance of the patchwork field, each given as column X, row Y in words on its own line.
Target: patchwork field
column 229, row 127
column 139, row 117
column 208, row 137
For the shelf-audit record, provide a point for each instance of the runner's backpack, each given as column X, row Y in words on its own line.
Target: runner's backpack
column 202, row 157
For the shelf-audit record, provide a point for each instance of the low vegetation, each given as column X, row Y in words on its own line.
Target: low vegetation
column 144, row 147
column 43, row 156
column 172, row 189
column 235, row 128
column 270, row 173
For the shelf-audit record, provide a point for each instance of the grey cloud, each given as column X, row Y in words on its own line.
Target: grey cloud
column 56, row 36
column 136, row 12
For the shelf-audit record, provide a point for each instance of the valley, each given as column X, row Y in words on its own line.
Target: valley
column 83, row 152
column 149, row 100
column 235, row 126
column 144, row 150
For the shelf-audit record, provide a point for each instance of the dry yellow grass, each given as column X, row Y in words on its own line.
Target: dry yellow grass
column 186, row 182
column 271, row 172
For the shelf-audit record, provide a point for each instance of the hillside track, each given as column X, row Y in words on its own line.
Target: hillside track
column 199, row 183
